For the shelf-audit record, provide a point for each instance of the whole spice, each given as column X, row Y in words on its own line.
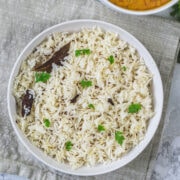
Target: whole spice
column 74, row 99
column 57, row 59
column 110, row 101
column 27, row 102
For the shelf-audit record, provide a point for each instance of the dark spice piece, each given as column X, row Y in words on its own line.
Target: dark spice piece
column 27, row 102
column 73, row 100
column 110, row 101
column 57, row 59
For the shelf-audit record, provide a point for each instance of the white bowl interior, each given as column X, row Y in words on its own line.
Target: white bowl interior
column 133, row 12
column 72, row 26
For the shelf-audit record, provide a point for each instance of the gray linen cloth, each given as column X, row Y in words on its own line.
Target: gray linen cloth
column 21, row 20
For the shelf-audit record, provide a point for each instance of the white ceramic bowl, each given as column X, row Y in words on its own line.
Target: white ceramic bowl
column 133, row 12
column 72, row 26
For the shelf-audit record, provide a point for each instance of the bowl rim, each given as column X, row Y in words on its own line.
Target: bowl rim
column 140, row 147
column 139, row 13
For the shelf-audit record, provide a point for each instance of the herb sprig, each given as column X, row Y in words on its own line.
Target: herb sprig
column 176, row 11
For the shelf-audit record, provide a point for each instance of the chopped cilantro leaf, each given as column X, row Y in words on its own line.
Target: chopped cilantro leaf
column 85, row 83
column 111, row 59
column 119, row 137
column 47, row 122
column 101, row 128
column 68, row 145
column 124, row 68
column 134, row 108
column 80, row 52
column 43, row 77
column 91, row 106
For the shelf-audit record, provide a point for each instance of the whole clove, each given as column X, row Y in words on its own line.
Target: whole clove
column 73, row 100
column 57, row 58
column 110, row 101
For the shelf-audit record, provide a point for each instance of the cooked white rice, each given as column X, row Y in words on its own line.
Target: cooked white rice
column 76, row 122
